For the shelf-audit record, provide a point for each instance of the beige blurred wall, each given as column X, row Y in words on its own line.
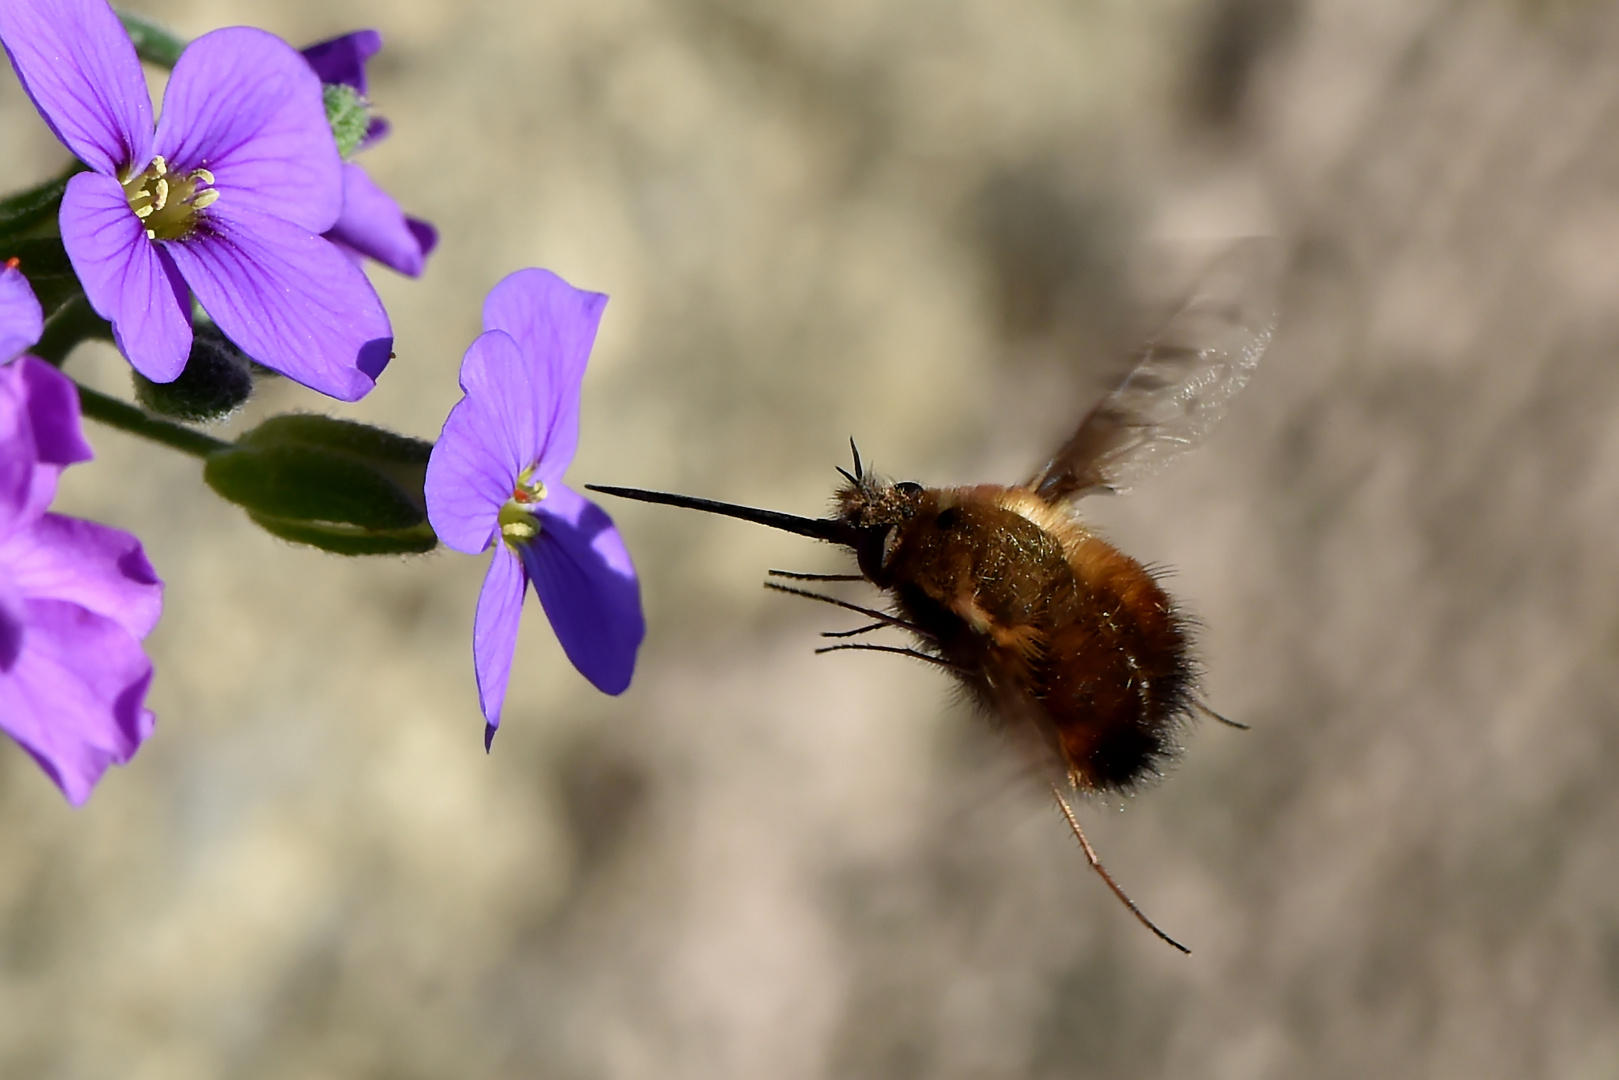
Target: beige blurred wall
column 935, row 226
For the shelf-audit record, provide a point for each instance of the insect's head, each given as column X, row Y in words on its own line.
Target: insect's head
column 876, row 511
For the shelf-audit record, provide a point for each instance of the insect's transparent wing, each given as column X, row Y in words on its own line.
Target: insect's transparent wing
column 1180, row 387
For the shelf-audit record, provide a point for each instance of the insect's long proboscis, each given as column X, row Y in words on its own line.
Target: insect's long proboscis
column 829, row 529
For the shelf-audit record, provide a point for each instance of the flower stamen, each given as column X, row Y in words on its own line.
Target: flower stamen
column 168, row 203
column 518, row 524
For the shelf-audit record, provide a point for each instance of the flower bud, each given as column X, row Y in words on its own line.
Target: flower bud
column 335, row 484
column 349, row 115
column 216, row 380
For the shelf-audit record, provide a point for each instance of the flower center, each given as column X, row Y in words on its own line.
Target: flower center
column 518, row 525
column 168, row 203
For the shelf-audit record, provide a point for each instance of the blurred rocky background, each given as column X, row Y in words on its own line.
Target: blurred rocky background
column 936, row 225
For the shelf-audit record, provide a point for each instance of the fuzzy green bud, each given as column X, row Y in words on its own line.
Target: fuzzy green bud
column 216, row 380
column 339, row 485
column 349, row 114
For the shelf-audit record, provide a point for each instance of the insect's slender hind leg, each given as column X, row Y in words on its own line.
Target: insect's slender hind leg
column 870, row 613
column 896, row 650
column 856, row 632
column 1096, row 864
column 791, row 576
column 1211, row 714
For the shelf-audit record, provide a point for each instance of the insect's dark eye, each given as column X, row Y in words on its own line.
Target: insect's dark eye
column 890, row 538
column 946, row 518
column 908, row 487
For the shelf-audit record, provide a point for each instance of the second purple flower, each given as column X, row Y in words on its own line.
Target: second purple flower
column 372, row 224
column 495, row 480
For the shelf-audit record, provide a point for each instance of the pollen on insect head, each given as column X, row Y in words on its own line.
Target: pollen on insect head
column 168, row 203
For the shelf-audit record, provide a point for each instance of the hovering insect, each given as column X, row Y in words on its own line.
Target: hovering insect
column 1042, row 621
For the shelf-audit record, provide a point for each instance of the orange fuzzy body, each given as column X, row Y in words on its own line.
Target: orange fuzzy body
column 1045, row 621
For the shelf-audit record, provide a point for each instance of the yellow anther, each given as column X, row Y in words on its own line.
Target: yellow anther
column 167, row 203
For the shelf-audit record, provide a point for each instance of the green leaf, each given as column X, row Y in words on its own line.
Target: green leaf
column 33, row 208
column 45, row 264
column 152, row 43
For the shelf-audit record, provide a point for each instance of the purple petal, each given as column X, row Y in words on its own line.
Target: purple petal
column 494, row 632
column 21, row 318
column 555, row 325
column 99, row 568
column 129, row 280
column 53, row 410
column 587, row 584
column 483, row 447
column 242, row 104
column 373, row 225
column 342, row 59
column 53, row 415
column 502, row 383
column 74, row 697
column 13, row 622
column 17, row 453
column 426, row 236
column 289, row 299
column 375, row 132
column 77, row 64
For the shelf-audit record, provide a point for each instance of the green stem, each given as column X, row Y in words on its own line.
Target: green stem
column 74, row 321
column 126, row 417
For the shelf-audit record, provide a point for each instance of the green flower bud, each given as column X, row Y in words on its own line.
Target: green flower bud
column 349, row 114
column 339, row 485
column 216, row 380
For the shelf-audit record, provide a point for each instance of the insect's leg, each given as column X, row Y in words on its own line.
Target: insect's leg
column 897, row 651
column 1211, row 714
column 791, row 576
column 1096, row 864
column 868, row 628
column 870, row 613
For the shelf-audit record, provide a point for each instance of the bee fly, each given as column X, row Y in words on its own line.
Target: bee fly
column 1042, row 621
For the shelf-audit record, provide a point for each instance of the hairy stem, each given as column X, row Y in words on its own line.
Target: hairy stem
column 126, row 417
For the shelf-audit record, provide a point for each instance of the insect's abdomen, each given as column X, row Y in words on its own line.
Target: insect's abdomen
column 1052, row 625
column 1119, row 677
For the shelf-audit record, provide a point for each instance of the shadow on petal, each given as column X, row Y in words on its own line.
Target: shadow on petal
column 587, row 585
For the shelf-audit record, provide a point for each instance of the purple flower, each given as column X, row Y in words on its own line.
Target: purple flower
column 227, row 198
column 76, row 598
column 494, row 479
column 372, row 224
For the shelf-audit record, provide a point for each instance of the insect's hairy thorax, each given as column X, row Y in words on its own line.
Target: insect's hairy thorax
column 1007, row 580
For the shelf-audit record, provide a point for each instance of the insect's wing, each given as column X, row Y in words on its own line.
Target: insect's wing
column 1179, row 389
